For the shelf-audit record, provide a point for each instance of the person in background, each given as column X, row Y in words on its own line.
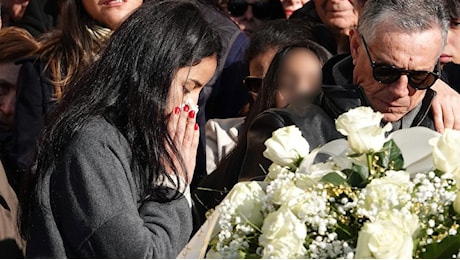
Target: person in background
column 289, row 6
column 110, row 179
column 249, row 15
column 222, row 134
column 338, row 17
column 65, row 53
column 450, row 57
column 15, row 43
column 36, row 16
column 294, row 71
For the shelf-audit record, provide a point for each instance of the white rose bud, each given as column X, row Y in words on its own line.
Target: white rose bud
column 286, row 146
column 389, row 236
column 285, row 193
column 248, row 196
column 283, row 233
column 362, row 127
column 274, row 171
column 446, row 157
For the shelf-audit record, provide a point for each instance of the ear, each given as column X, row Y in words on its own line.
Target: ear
column 355, row 43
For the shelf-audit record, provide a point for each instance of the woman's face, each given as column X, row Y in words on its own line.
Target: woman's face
column 300, row 73
column 249, row 15
column 111, row 13
column 451, row 52
column 188, row 82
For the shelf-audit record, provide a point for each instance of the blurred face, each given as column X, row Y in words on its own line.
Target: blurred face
column 249, row 15
column 416, row 51
column 8, row 77
column 338, row 15
column 111, row 13
column 300, row 74
column 188, row 82
column 290, row 6
column 451, row 52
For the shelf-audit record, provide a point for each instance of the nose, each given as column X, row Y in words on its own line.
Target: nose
column 399, row 88
column 248, row 15
column 7, row 105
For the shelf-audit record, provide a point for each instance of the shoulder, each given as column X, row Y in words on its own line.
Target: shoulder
column 98, row 134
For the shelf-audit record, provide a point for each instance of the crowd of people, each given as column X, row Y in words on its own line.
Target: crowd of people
column 123, row 122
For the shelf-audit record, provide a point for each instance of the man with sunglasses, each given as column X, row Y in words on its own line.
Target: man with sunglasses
column 394, row 62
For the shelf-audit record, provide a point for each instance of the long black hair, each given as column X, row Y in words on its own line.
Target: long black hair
column 129, row 86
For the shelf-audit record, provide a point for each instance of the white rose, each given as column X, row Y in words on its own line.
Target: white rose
column 274, row 171
column 361, row 125
column 283, row 235
column 389, row 236
column 392, row 191
column 286, row 146
column 249, row 198
column 285, row 193
column 445, row 151
column 457, row 203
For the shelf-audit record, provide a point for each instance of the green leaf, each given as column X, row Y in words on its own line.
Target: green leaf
column 357, row 176
column 334, row 178
column 448, row 246
column 390, row 157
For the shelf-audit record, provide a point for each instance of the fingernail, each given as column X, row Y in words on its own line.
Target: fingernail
column 176, row 110
column 186, row 108
column 196, row 126
column 191, row 114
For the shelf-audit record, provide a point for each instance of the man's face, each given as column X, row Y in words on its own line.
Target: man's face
column 416, row 51
column 338, row 15
column 8, row 77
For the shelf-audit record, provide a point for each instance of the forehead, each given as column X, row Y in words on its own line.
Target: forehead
column 9, row 73
column 417, row 50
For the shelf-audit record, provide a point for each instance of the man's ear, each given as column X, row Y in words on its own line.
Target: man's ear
column 355, row 43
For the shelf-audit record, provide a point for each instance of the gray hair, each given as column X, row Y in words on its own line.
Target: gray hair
column 403, row 16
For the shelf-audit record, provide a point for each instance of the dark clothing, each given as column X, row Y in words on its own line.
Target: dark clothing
column 322, row 33
column 38, row 17
column 224, row 95
column 90, row 205
column 451, row 75
column 316, row 122
column 33, row 102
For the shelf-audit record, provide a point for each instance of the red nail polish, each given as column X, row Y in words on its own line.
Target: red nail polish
column 191, row 114
column 176, row 110
column 196, row 126
column 186, row 108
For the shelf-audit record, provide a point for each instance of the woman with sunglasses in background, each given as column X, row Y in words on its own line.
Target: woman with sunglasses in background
column 222, row 134
column 294, row 71
column 112, row 173
column 249, row 15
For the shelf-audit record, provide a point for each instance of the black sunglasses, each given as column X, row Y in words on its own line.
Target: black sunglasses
column 261, row 10
column 253, row 83
column 386, row 73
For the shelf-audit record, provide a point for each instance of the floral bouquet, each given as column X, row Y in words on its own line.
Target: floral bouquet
column 375, row 197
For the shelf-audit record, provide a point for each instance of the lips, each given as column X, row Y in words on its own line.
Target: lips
column 112, row 3
column 444, row 58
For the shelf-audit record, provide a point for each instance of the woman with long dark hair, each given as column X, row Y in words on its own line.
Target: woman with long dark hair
column 65, row 53
column 111, row 176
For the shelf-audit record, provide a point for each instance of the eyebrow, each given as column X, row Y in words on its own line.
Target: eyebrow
column 196, row 82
